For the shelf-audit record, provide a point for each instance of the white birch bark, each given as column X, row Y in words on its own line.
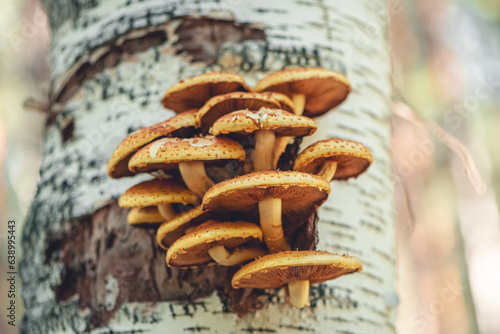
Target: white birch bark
column 357, row 219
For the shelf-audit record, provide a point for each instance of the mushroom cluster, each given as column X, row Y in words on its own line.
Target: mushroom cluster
column 220, row 193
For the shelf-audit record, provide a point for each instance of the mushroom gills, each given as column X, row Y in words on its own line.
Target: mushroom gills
column 225, row 258
column 328, row 169
column 264, row 147
column 270, row 223
column 298, row 293
column 167, row 211
column 195, row 177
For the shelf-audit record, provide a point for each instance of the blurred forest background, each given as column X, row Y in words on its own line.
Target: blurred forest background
column 446, row 149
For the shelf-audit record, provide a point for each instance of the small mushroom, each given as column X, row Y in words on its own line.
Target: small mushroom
column 296, row 270
column 145, row 217
column 313, row 91
column 266, row 125
column 184, row 223
column 193, row 92
column 181, row 125
column 337, row 159
column 277, row 197
column 189, row 156
column 221, row 105
column 211, row 241
column 161, row 193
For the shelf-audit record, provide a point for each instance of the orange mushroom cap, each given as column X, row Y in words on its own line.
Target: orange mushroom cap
column 195, row 91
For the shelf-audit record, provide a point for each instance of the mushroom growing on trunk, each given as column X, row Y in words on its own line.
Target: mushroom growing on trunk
column 181, row 125
column 226, row 243
column 314, row 91
column 296, row 270
column 266, row 124
column 193, row 92
column 148, row 216
column 289, row 197
column 221, row 105
column 189, row 156
column 161, row 193
column 334, row 159
column 184, row 223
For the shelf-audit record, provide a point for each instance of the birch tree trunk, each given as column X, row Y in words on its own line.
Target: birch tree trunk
column 85, row 270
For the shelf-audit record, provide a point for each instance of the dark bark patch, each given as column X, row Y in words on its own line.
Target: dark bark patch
column 67, row 127
column 306, row 236
column 202, row 38
column 107, row 263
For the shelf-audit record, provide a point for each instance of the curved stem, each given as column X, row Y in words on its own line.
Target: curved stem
column 299, row 293
column 279, row 148
column 167, row 211
column 299, row 101
column 270, row 223
column 195, row 177
column 328, row 169
column 225, row 258
column 264, row 147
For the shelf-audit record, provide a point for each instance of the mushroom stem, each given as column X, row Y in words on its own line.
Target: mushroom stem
column 299, row 293
column 167, row 211
column 327, row 170
column 279, row 148
column 299, row 101
column 195, row 177
column 270, row 223
column 264, row 146
column 225, row 258
column 190, row 229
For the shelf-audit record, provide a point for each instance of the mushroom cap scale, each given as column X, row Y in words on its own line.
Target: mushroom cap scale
column 324, row 89
column 195, row 91
column 276, row 270
column 166, row 153
column 221, row 105
column 156, row 192
column 352, row 158
column 145, row 217
column 300, row 193
column 181, row 125
column 170, row 231
column 282, row 123
column 192, row 249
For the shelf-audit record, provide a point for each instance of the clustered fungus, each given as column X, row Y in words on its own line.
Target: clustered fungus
column 246, row 218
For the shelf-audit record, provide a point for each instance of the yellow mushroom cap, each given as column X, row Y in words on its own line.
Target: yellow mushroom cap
column 181, row 125
column 145, row 217
column 324, row 89
column 195, row 91
column 276, row 270
column 300, row 193
column 156, row 192
column 192, row 249
column 221, row 105
column 279, row 121
column 166, row 153
column 352, row 158
column 170, row 231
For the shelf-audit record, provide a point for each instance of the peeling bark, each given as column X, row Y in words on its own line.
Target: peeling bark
column 84, row 269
